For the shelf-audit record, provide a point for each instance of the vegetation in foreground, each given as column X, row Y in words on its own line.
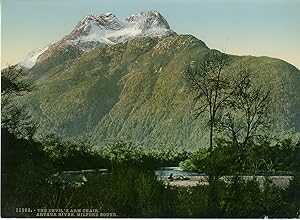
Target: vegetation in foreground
column 131, row 188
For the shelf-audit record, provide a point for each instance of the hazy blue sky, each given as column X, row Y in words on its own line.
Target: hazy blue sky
column 256, row 27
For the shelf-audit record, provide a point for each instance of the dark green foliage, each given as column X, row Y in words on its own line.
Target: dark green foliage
column 72, row 156
column 11, row 81
column 293, row 195
column 14, row 116
column 130, row 188
column 258, row 158
column 268, row 157
column 126, row 155
column 25, row 168
column 191, row 202
column 136, row 192
column 247, row 198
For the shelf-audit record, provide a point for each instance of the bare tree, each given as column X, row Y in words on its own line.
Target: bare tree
column 209, row 83
column 213, row 89
column 248, row 117
column 233, row 106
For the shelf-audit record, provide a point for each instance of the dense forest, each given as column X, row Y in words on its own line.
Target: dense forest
column 32, row 172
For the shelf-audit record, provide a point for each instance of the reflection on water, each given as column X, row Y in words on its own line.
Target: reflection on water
column 176, row 171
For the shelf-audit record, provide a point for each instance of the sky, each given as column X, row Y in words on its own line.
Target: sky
column 242, row 27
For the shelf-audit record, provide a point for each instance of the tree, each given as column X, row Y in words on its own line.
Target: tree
column 12, row 82
column 212, row 88
column 15, row 117
column 234, row 106
column 209, row 83
column 247, row 117
column 24, row 165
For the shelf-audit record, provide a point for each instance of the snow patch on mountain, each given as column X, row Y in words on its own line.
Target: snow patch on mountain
column 31, row 57
column 108, row 29
column 99, row 34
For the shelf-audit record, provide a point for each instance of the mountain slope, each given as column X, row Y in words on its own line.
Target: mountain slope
column 137, row 91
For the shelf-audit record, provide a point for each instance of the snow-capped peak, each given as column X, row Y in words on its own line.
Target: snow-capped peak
column 108, row 29
column 148, row 20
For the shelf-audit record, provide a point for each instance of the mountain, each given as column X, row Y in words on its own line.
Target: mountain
column 136, row 89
